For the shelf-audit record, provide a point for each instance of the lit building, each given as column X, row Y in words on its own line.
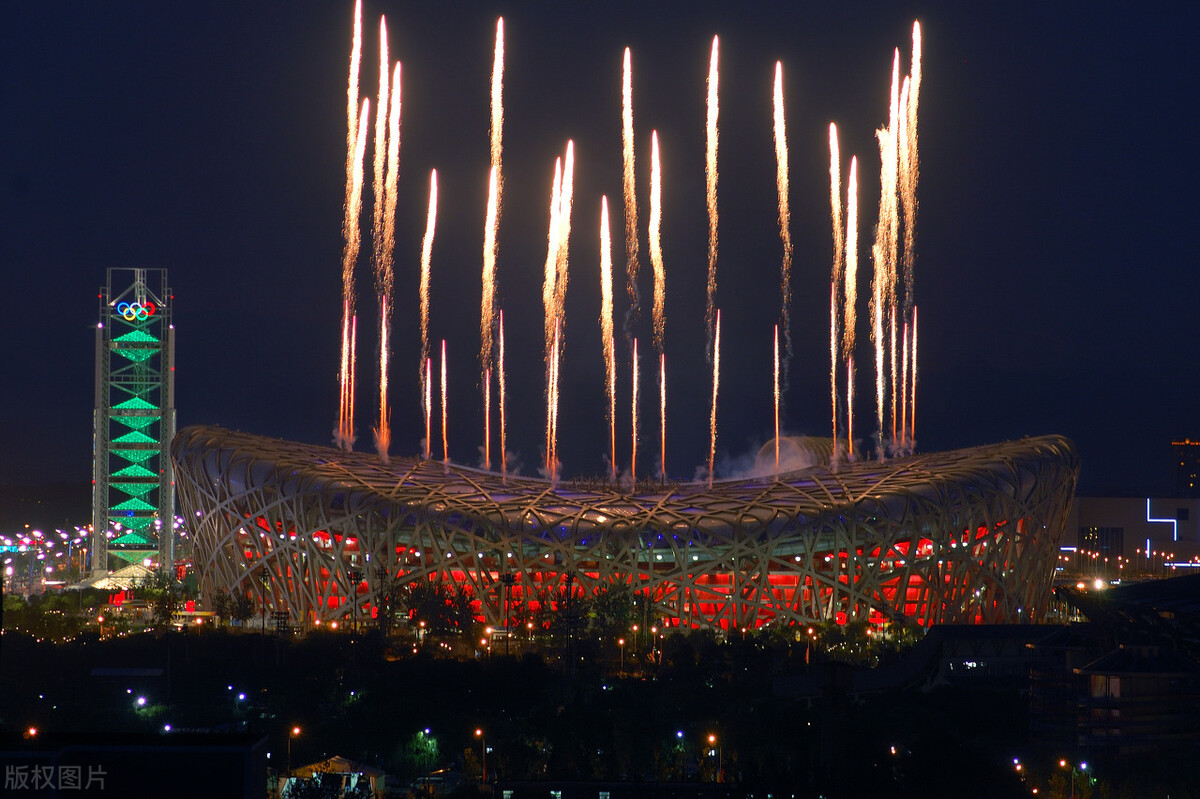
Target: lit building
column 134, row 422
column 1187, row 467
column 319, row 534
column 1127, row 537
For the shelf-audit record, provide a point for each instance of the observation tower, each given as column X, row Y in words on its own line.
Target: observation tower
column 133, row 491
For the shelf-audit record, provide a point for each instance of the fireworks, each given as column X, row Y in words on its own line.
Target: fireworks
column 500, row 376
column 487, row 312
column 345, row 434
column 554, row 293
column 785, row 234
column 893, row 333
column 606, row 329
column 716, row 379
column 629, row 187
column 710, row 174
column 426, row 254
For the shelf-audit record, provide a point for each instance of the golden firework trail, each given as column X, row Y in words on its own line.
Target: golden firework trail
column 656, row 259
column 445, row 425
column 631, row 212
column 878, row 301
column 426, row 254
column 497, row 95
column 503, row 423
column 549, row 309
column 850, row 319
column 612, row 403
column 833, row 364
column 662, row 414
column 903, row 301
column 391, row 193
column 904, row 386
column 351, row 392
column 345, row 438
column 564, row 235
column 560, row 285
column 710, row 171
column 487, row 309
column 606, row 328
column 903, row 156
column 777, row 399
column 554, row 290
column 712, row 439
column 550, row 274
column 383, row 433
column 380, row 153
column 343, row 376
column 850, row 406
column 883, row 272
column 911, row 166
column 835, row 207
column 634, row 382
column 428, row 381
column 387, row 168
column 785, row 232
column 912, row 385
column 553, row 458
column 893, row 211
column 487, row 316
column 487, row 417
column 892, row 325
column 352, row 101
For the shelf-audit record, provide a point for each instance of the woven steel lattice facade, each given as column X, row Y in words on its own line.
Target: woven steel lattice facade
column 964, row 536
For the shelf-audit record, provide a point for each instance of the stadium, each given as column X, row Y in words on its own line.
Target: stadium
column 964, row 536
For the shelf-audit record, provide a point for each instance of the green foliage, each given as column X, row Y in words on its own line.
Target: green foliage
column 242, row 607
column 444, row 606
column 165, row 596
column 222, row 605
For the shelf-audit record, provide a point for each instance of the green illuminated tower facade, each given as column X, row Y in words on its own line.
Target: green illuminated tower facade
column 133, row 492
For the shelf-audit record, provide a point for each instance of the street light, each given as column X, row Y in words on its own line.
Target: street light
column 482, row 752
column 355, row 578
column 713, row 743
column 291, row 734
column 1082, row 768
column 621, row 646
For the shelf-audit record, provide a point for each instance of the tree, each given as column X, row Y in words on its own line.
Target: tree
column 241, row 607
column 442, row 605
column 222, row 606
column 164, row 596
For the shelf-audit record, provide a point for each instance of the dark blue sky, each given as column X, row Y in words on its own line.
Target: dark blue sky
column 1056, row 285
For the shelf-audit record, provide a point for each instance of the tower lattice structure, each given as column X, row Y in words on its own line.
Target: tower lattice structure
column 133, row 494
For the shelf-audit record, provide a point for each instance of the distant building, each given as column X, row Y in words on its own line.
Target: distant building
column 1187, row 467
column 1137, row 535
column 1127, row 683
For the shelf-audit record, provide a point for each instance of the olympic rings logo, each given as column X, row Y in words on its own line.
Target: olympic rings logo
column 139, row 311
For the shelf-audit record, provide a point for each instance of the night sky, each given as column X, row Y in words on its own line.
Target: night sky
column 1057, row 290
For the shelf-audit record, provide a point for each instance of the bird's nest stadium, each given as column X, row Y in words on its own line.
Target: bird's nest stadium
column 965, row 536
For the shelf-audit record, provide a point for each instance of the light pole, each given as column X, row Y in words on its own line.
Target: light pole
column 1082, row 768
column 355, row 578
column 482, row 753
column 714, row 743
column 292, row 733
column 508, row 579
column 621, row 646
